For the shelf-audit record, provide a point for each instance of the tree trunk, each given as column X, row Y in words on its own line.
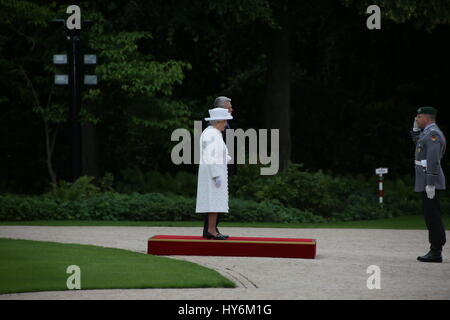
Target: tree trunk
column 277, row 104
column 49, row 147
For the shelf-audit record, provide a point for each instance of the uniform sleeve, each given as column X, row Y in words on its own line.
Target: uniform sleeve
column 434, row 153
column 415, row 136
column 210, row 156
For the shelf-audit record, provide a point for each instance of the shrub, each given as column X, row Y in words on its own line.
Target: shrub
column 81, row 188
column 140, row 207
column 292, row 196
column 333, row 198
column 134, row 180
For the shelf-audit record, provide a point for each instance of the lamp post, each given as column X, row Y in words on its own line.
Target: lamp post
column 75, row 80
column 75, row 71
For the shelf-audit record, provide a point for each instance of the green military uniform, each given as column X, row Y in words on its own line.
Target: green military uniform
column 430, row 148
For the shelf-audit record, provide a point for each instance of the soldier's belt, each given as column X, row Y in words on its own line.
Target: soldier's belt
column 422, row 163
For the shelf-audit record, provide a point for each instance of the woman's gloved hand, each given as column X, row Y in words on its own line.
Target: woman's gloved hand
column 217, row 181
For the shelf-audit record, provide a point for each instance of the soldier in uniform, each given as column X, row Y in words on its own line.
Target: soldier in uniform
column 430, row 180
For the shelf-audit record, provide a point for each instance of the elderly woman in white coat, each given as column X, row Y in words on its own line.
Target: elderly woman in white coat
column 212, row 187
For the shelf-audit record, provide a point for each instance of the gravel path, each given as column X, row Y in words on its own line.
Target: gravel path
column 338, row 272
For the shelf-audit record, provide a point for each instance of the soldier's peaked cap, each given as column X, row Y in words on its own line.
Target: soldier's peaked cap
column 427, row 110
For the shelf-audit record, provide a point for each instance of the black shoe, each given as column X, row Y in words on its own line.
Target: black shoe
column 218, row 237
column 205, row 235
column 226, row 236
column 432, row 256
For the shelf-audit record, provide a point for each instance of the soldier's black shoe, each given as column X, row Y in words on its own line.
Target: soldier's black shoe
column 432, row 256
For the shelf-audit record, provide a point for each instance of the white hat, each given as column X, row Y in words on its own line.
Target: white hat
column 219, row 114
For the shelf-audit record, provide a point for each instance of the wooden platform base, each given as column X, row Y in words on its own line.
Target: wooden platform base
column 233, row 246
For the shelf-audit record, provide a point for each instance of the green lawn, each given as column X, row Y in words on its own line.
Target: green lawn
column 41, row 266
column 404, row 222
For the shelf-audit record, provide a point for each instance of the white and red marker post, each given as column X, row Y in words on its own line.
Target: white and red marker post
column 380, row 172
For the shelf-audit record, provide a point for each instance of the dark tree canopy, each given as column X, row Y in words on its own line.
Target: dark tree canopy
column 343, row 96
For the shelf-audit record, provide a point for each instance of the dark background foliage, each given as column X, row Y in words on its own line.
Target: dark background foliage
column 343, row 96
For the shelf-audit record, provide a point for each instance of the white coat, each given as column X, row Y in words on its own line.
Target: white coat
column 213, row 162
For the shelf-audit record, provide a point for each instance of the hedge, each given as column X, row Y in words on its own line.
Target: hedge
column 141, row 207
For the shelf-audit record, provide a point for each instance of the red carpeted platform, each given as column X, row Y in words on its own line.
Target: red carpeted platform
column 233, row 246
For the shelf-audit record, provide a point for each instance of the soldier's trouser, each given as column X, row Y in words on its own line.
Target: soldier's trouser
column 205, row 225
column 432, row 213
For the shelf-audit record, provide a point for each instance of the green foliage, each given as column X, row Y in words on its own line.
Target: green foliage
column 131, row 75
column 30, row 12
column 333, row 198
column 161, row 64
column 341, row 198
column 134, row 92
column 135, row 180
column 20, row 208
column 293, row 196
column 400, row 198
column 106, row 183
column 358, row 208
column 139, row 207
column 54, row 113
column 67, row 191
column 424, row 14
column 265, row 211
column 137, row 74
